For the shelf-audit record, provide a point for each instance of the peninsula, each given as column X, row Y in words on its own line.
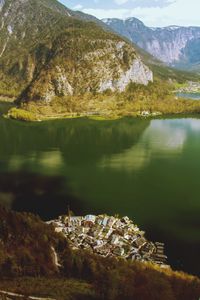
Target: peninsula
column 109, row 237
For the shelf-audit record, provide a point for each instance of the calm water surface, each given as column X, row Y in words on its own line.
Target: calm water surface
column 192, row 96
column 146, row 169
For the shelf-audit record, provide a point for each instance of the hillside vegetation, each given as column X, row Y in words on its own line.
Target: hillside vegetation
column 63, row 64
column 50, row 51
column 59, row 63
column 157, row 99
column 26, row 250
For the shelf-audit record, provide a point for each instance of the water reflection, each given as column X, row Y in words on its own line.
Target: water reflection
column 160, row 138
column 49, row 162
column 165, row 136
column 77, row 141
column 42, row 195
column 146, row 169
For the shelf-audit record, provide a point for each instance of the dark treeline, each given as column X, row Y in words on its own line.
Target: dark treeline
column 26, row 250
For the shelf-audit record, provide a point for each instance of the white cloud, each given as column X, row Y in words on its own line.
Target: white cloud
column 78, row 7
column 107, row 13
column 120, row 2
column 181, row 12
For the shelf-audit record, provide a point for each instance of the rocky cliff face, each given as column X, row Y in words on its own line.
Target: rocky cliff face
column 172, row 45
column 107, row 64
column 47, row 50
column 1, row 4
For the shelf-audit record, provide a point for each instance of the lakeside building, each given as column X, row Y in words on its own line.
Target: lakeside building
column 109, row 237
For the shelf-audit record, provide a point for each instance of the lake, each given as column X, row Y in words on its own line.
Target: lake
column 144, row 168
column 192, row 96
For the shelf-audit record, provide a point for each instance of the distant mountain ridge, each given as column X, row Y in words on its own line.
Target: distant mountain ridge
column 175, row 45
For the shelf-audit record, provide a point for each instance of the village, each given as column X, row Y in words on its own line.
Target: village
column 110, row 237
column 191, row 87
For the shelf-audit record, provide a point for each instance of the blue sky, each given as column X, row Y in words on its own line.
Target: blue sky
column 151, row 12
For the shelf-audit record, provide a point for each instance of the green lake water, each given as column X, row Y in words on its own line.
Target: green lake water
column 146, row 169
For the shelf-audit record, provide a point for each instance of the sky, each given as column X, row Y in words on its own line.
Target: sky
column 154, row 13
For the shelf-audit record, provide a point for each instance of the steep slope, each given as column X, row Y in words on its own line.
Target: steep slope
column 173, row 45
column 20, row 253
column 163, row 72
column 27, row 28
column 48, row 50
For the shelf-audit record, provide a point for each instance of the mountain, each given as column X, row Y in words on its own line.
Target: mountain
column 175, row 45
column 47, row 51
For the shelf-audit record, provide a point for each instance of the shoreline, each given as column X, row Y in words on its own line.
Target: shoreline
column 135, row 109
column 139, row 115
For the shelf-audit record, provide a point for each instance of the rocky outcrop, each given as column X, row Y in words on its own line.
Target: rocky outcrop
column 1, row 4
column 168, row 44
column 49, row 51
column 108, row 64
column 137, row 73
